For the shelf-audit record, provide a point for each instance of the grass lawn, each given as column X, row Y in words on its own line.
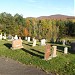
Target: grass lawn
column 63, row 64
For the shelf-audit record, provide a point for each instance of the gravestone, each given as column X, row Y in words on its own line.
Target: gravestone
column 4, row 37
column 28, row 39
column 54, row 51
column 47, row 52
column 33, row 38
column 17, row 44
column 64, row 42
column 1, row 36
column 9, row 37
column 16, row 37
column 65, row 50
column 73, row 46
column 34, row 42
column 43, row 42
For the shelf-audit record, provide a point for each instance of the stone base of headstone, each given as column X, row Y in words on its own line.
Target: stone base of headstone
column 65, row 50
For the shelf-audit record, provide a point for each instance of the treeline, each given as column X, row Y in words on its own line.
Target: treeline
column 44, row 28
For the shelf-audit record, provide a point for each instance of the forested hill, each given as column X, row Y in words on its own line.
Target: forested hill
column 57, row 16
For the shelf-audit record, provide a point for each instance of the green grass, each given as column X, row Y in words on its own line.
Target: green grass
column 61, row 65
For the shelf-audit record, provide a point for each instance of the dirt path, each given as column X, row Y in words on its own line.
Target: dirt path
column 11, row 67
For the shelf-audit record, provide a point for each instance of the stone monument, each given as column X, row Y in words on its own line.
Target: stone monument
column 28, row 39
column 64, row 42
column 16, row 37
column 65, row 50
column 43, row 42
column 17, row 44
column 34, row 42
column 4, row 37
column 47, row 52
column 54, row 51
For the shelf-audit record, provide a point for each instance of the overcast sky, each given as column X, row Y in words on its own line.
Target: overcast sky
column 36, row 8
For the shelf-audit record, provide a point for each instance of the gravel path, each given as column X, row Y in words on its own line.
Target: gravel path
column 11, row 67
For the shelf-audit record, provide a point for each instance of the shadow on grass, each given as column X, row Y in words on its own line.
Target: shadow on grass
column 28, row 44
column 33, row 54
column 37, row 51
column 60, row 48
column 8, row 45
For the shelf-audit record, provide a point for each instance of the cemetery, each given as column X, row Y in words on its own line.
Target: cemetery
column 47, row 44
column 51, row 57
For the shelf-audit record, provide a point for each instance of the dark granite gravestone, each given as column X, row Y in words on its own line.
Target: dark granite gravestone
column 73, row 46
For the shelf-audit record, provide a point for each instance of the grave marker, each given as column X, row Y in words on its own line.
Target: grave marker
column 47, row 52
column 34, row 42
column 28, row 39
column 43, row 42
column 54, row 51
column 17, row 44
column 65, row 50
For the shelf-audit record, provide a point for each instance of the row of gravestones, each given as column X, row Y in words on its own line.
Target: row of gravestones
column 43, row 41
column 10, row 37
column 58, row 41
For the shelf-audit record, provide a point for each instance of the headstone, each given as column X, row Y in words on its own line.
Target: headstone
column 73, row 46
column 65, row 50
column 17, row 44
column 33, row 38
column 54, row 51
column 47, row 52
column 1, row 36
column 64, row 42
column 16, row 37
column 43, row 42
column 34, row 42
column 4, row 37
column 28, row 39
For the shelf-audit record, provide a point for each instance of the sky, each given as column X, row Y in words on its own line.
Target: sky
column 36, row 8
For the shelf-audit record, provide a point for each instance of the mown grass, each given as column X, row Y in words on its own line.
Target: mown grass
column 63, row 64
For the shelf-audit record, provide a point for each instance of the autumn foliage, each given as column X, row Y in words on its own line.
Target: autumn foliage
column 26, row 33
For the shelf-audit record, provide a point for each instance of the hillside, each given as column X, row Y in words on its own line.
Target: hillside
column 57, row 16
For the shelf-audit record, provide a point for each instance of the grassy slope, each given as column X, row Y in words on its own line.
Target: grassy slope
column 62, row 64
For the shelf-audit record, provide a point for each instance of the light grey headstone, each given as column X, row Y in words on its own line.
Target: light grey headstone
column 28, row 39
